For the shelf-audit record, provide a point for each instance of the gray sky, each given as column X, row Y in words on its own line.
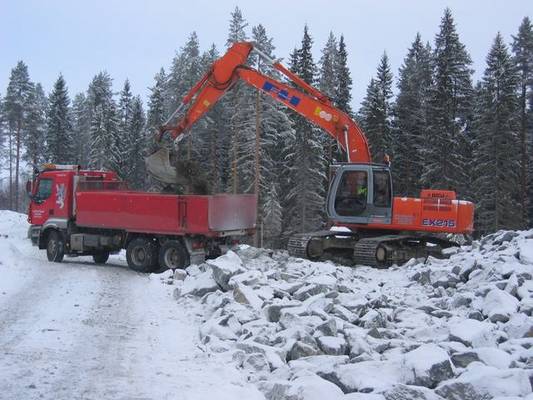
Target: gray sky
column 133, row 39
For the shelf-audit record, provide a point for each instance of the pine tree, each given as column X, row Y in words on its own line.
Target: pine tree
column 497, row 145
column 410, row 122
column 304, row 201
column 35, row 131
column 343, row 91
column 15, row 113
column 523, row 57
column 449, row 112
column 59, row 141
column 376, row 111
column 102, row 113
column 80, row 130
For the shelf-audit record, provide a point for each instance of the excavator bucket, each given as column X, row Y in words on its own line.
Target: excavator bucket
column 158, row 165
column 188, row 174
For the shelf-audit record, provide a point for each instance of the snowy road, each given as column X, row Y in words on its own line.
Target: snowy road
column 76, row 330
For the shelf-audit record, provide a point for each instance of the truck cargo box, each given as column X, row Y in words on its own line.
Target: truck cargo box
column 210, row 215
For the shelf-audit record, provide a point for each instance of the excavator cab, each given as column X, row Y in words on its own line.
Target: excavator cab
column 360, row 194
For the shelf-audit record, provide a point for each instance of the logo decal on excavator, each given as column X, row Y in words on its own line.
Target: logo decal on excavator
column 450, row 223
column 282, row 93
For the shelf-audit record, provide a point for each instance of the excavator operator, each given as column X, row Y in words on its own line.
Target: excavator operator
column 352, row 194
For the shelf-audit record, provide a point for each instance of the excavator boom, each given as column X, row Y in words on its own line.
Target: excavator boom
column 303, row 99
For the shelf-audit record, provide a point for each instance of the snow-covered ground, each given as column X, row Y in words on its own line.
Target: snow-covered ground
column 76, row 330
column 456, row 329
column 257, row 324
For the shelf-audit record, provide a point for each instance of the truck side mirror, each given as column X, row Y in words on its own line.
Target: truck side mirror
column 29, row 189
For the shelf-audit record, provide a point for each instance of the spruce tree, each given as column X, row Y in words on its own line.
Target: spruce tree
column 497, row 145
column 157, row 113
column 410, row 118
column 80, row 130
column 123, row 138
column 59, row 141
column 305, row 198
column 449, row 112
column 239, row 103
column 523, row 57
column 16, row 110
column 376, row 111
column 102, row 113
column 134, row 167
column 35, row 131
column 343, row 91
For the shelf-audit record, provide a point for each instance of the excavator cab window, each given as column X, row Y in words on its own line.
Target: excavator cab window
column 352, row 193
column 382, row 189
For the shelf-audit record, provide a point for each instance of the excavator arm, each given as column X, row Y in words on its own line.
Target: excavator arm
column 304, row 99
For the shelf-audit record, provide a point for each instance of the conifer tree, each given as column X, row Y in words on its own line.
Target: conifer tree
column 240, row 105
column 80, row 130
column 16, row 110
column 134, row 166
column 157, row 113
column 523, row 57
column 497, row 145
column 102, row 113
column 343, row 91
column 123, row 138
column 35, row 131
column 410, row 118
column 59, row 142
column 305, row 154
column 450, row 111
column 376, row 111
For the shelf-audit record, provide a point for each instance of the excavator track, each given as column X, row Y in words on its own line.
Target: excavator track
column 377, row 251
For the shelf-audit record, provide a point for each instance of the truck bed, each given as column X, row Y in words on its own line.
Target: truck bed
column 210, row 215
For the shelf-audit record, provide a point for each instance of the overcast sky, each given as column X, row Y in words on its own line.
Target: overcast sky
column 133, row 39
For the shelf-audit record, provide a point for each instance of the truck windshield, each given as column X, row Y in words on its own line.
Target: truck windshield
column 44, row 190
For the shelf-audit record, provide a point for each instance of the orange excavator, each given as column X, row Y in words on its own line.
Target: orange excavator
column 367, row 223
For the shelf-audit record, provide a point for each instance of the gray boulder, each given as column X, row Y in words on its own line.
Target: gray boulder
column 430, row 364
column 332, row 345
column 224, row 267
column 300, row 349
column 328, row 328
column 407, row 392
column 462, row 360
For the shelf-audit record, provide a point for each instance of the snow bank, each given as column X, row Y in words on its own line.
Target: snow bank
column 454, row 329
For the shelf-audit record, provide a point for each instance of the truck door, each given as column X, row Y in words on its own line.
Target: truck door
column 42, row 202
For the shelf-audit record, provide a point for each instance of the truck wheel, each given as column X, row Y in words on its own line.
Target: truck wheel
column 101, row 258
column 173, row 255
column 55, row 247
column 141, row 255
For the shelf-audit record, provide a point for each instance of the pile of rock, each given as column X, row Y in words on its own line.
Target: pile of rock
column 459, row 328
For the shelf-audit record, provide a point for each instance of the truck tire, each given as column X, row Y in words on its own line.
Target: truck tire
column 172, row 255
column 55, row 246
column 101, row 258
column 141, row 255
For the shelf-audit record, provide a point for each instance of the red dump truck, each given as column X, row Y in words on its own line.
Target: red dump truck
column 77, row 212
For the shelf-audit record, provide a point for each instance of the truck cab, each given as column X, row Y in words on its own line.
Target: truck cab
column 51, row 193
